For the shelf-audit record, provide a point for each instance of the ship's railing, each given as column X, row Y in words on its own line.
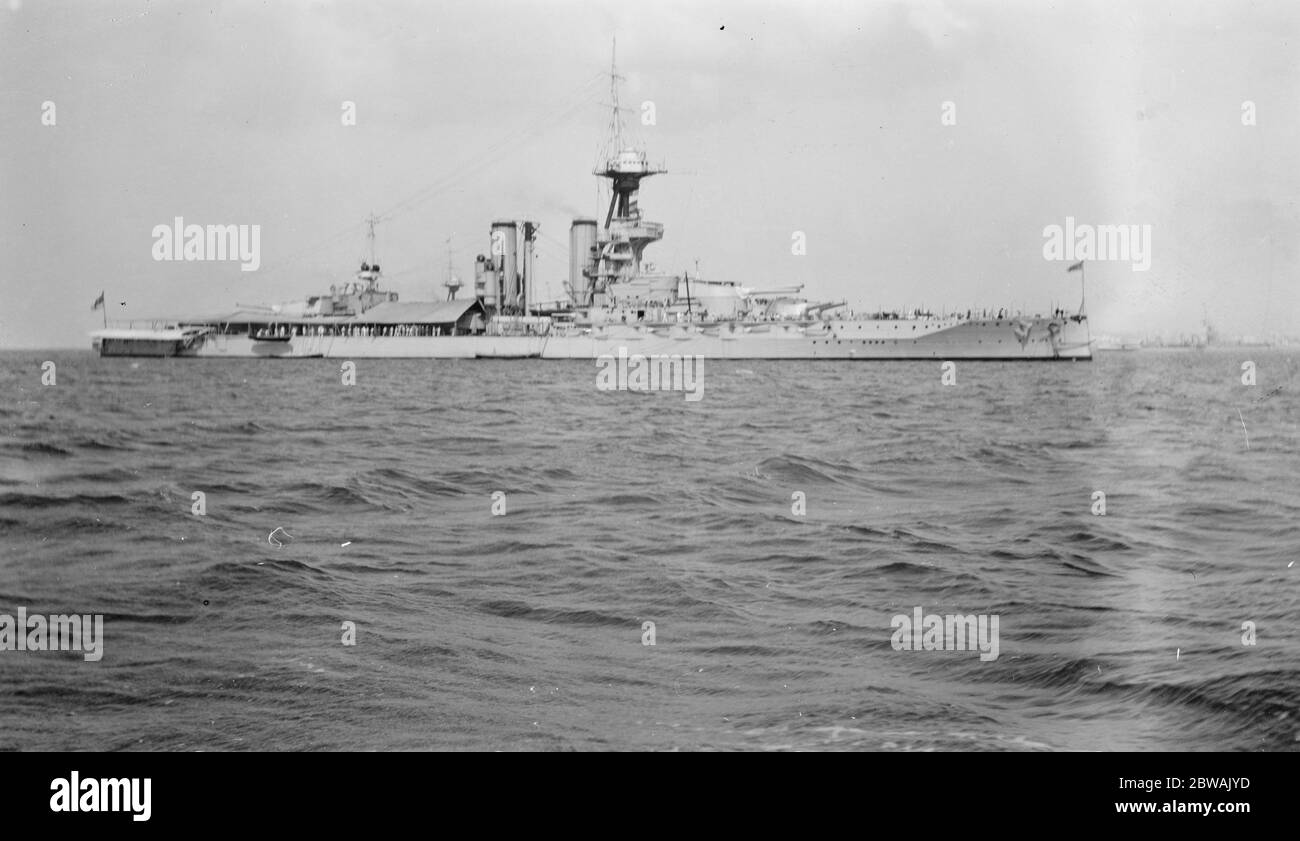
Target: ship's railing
column 633, row 229
column 993, row 314
column 518, row 325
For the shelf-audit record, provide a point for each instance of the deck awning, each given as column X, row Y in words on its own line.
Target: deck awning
column 442, row 313
column 261, row 317
column 417, row 312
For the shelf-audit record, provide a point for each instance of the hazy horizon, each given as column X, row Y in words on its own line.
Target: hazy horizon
column 825, row 119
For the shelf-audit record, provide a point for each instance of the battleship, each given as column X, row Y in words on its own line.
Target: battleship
column 616, row 303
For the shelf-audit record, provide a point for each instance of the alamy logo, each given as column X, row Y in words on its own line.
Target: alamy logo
column 73, row 794
column 1125, row 243
column 656, row 372
column 953, row 632
column 58, row 632
column 215, row 242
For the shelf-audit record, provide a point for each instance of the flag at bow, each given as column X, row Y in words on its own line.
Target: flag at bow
column 1077, row 267
column 99, row 302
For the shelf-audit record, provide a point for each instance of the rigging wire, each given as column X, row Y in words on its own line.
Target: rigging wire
column 474, row 164
column 545, row 120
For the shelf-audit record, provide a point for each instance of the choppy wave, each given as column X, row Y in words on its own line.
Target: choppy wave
column 502, row 541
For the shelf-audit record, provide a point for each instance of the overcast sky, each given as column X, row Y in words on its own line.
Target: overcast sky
column 777, row 117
